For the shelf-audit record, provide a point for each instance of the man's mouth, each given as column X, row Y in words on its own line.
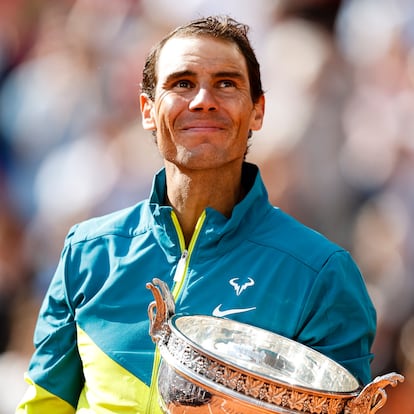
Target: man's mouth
column 202, row 128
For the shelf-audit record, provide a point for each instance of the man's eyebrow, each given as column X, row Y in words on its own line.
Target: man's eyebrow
column 179, row 75
column 189, row 73
column 229, row 74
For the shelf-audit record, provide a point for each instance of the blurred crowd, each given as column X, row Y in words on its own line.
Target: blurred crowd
column 336, row 150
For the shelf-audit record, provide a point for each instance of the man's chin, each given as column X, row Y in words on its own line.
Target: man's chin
column 204, row 163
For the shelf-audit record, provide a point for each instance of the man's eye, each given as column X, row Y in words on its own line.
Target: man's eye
column 226, row 84
column 183, row 84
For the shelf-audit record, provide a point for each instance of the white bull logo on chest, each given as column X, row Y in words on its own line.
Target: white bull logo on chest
column 240, row 287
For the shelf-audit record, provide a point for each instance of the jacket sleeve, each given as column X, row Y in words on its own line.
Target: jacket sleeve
column 55, row 371
column 37, row 400
column 339, row 319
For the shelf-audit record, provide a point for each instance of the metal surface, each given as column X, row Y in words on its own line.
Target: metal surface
column 215, row 365
column 263, row 353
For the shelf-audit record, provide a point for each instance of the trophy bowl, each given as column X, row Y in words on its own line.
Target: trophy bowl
column 217, row 365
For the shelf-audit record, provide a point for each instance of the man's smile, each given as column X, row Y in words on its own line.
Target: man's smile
column 202, row 125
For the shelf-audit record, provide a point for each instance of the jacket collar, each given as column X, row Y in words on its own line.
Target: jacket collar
column 216, row 228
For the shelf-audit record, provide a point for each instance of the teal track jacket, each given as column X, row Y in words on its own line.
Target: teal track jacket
column 261, row 267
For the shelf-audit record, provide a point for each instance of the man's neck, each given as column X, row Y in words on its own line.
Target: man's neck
column 191, row 192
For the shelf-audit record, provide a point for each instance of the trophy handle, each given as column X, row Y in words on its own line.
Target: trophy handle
column 373, row 396
column 160, row 310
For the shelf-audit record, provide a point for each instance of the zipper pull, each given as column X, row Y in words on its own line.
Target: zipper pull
column 179, row 271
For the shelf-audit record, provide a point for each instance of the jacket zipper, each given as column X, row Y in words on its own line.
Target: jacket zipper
column 182, row 266
column 180, row 272
column 179, row 278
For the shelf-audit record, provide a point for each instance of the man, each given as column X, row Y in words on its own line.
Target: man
column 207, row 230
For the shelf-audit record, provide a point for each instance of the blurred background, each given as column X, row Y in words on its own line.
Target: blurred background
column 336, row 150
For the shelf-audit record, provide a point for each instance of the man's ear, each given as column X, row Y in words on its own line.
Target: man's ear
column 147, row 111
column 259, row 110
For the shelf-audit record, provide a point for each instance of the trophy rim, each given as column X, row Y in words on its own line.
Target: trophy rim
column 216, row 358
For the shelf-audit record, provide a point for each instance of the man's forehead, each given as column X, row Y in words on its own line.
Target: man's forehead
column 182, row 50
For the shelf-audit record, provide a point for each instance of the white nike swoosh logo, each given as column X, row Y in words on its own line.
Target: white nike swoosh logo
column 221, row 313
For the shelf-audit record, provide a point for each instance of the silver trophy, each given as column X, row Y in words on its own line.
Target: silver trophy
column 215, row 365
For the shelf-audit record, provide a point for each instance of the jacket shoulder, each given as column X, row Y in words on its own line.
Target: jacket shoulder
column 287, row 235
column 124, row 223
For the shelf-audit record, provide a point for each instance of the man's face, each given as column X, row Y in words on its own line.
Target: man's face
column 202, row 111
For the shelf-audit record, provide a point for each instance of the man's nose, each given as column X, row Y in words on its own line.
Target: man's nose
column 203, row 100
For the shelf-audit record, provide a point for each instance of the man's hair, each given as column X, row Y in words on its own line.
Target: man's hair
column 219, row 27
